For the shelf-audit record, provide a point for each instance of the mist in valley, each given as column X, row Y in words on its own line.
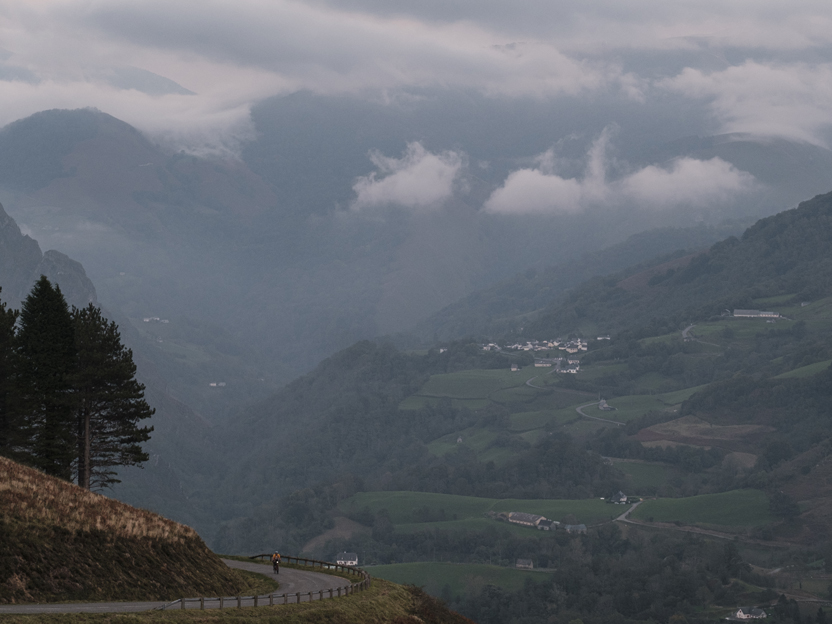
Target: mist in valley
column 254, row 191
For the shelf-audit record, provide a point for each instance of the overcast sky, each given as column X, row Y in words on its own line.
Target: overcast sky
column 188, row 71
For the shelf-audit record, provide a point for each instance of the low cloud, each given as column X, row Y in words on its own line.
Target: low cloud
column 790, row 100
column 687, row 182
column 684, row 182
column 419, row 179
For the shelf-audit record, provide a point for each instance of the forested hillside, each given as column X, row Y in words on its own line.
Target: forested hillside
column 787, row 254
column 509, row 305
column 412, row 457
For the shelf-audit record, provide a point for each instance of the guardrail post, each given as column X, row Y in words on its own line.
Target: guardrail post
column 202, row 603
column 182, row 603
column 298, row 597
column 330, row 592
column 239, row 602
column 339, row 592
column 285, row 599
column 221, row 601
column 271, row 600
column 255, row 600
column 310, row 596
column 320, row 594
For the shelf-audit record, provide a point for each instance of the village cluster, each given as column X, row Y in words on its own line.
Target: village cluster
column 571, row 345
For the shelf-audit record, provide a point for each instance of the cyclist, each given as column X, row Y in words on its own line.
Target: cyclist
column 276, row 562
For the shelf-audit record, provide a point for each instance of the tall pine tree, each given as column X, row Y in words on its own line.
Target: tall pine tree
column 9, row 425
column 44, row 364
column 109, row 401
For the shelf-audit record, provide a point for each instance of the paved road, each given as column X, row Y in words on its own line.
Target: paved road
column 623, row 517
column 291, row 582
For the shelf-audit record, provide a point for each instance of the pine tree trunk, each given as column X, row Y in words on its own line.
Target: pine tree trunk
column 84, row 468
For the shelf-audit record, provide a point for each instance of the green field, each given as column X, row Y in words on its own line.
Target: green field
column 460, row 578
column 632, row 406
column 806, row 371
column 475, row 384
column 459, row 510
column 738, row 508
column 675, row 398
column 641, row 475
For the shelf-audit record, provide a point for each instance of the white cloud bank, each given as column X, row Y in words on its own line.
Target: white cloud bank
column 417, row 180
column 684, row 182
column 233, row 54
column 791, row 100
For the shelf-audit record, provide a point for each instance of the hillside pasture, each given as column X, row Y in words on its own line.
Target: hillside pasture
column 806, row 371
column 526, row 421
column 677, row 397
column 631, row 407
column 588, row 511
column 642, row 475
column 475, row 383
column 738, row 508
column 404, row 507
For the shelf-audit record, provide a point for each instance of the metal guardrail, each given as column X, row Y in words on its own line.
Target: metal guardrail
column 274, row 599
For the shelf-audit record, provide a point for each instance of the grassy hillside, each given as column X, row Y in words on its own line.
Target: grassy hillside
column 739, row 508
column 503, row 307
column 62, row 543
column 786, row 254
column 412, row 508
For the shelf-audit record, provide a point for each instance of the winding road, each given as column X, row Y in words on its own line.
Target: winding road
column 291, row 582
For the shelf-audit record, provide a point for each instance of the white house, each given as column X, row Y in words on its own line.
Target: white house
column 747, row 613
column 347, row 559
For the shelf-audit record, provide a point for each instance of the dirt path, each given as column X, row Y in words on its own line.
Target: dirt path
column 606, row 420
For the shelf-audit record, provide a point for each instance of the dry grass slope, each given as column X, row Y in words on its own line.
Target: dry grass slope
column 31, row 496
column 59, row 542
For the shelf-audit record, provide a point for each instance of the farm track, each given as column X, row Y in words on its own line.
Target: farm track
column 686, row 335
column 606, row 420
column 667, row 526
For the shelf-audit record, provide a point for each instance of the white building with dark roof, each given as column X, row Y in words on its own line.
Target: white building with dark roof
column 347, row 559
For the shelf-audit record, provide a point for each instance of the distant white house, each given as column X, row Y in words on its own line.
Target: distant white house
column 524, row 564
column 514, row 368
column 619, row 499
column 747, row 613
column 347, row 559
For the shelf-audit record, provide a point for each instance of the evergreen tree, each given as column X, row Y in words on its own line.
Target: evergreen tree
column 109, row 401
column 9, row 426
column 44, row 363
